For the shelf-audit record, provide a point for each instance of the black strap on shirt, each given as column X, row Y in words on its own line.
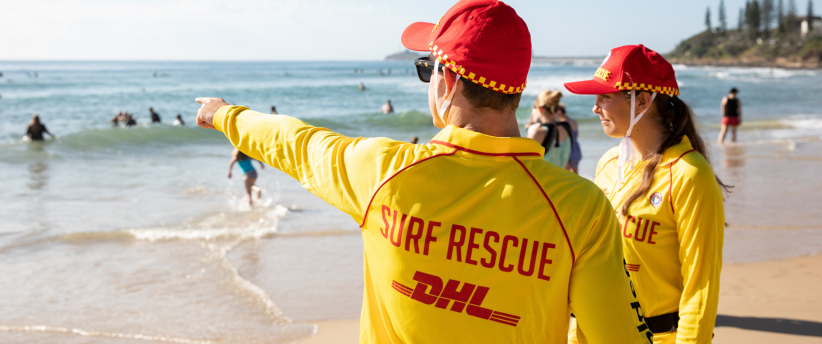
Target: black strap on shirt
column 553, row 135
column 663, row 323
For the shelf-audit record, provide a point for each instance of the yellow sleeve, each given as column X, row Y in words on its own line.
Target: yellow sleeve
column 341, row 170
column 700, row 218
column 601, row 294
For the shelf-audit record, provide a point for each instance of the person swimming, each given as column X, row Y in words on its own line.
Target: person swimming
column 36, row 129
column 273, row 110
column 179, row 121
column 155, row 117
column 387, row 107
column 249, row 173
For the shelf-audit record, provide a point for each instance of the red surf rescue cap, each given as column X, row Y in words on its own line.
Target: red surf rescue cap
column 484, row 41
column 632, row 67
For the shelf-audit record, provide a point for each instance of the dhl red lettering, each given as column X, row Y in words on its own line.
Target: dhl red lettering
column 644, row 230
column 625, row 227
column 429, row 238
column 384, row 231
column 490, row 262
column 460, row 297
column 544, row 260
column 474, row 308
column 653, row 231
column 469, row 298
column 505, row 241
column 456, row 244
column 411, row 236
column 523, row 253
column 399, row 232
column 425, row 281
column 472, row 245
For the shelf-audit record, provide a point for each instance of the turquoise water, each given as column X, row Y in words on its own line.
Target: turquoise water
column 137, row 231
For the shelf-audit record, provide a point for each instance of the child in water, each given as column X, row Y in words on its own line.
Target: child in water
column 249, row 173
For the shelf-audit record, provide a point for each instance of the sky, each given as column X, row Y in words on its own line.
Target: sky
column 276, row 30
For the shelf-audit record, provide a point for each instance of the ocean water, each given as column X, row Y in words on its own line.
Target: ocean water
column 124, row 235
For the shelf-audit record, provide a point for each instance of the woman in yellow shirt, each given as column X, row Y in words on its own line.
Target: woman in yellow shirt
column 667, row 198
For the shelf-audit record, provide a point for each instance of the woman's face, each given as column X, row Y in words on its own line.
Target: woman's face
column 614, row 112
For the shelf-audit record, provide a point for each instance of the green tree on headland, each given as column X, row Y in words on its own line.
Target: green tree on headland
column 810, row 13
column 740, row 26
column 708, row 18
column 723, row 20
column 790, row 19
column 780, row 16
column 767, row 16
column 753, row 18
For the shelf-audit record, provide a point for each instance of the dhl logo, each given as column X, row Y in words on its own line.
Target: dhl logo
column 430, row 291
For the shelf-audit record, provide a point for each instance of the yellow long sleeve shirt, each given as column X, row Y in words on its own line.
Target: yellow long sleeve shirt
column 673, row 237
column 468, row 239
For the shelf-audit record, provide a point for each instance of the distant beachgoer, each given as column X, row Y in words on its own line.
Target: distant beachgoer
column 1, row 74
column 554, row 136
column 128, row 119
column 387, row 107
column 273, row 110
column 36, row 129
column 576, row 151
column 116, row 119
column 362, row 87
column 155, row 117
column 731, row 115
column 415, row 139
column 249, row 173
column 179, row 121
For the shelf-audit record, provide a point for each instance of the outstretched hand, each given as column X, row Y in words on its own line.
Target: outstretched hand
column 205, row 116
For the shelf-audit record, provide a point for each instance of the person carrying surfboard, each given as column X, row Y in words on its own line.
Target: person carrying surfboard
column 473, row 237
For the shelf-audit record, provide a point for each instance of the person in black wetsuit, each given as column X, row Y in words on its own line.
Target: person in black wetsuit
column 36, row 129
column 155, row 117
column 731, row 115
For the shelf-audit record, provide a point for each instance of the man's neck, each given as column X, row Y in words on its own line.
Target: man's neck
column 484, row 120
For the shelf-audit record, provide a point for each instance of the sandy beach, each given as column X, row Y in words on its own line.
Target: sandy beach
column 765, row 302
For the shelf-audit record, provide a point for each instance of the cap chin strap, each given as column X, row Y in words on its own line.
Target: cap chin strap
column 626, row 147
column 441, row 112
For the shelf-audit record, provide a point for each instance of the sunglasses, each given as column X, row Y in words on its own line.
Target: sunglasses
column 424, row 68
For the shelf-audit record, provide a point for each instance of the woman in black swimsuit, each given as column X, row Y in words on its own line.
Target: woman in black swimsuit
column 36, row 129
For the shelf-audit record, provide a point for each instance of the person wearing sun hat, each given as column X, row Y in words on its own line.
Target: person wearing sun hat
column 667, row 197
column 473, row 237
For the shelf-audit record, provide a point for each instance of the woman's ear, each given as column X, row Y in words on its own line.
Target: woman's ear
column 643, row 102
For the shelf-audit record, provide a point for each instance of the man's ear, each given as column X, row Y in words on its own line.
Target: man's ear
column 449, row 77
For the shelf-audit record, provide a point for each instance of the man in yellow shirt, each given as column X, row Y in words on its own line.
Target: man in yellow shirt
column 473, row 237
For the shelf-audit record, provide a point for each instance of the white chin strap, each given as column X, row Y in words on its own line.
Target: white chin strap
column 441, row 112
column 626, row 148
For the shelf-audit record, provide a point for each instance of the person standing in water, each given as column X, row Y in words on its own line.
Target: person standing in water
column 249, row 173
column 472, row 237
column 273, row 110
column 576, row 151
column 553, row 136
column 667, row 197
column 731, row 109
column 179, row 121
column 387, row 107
column 155, row 117
column 36, row 129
